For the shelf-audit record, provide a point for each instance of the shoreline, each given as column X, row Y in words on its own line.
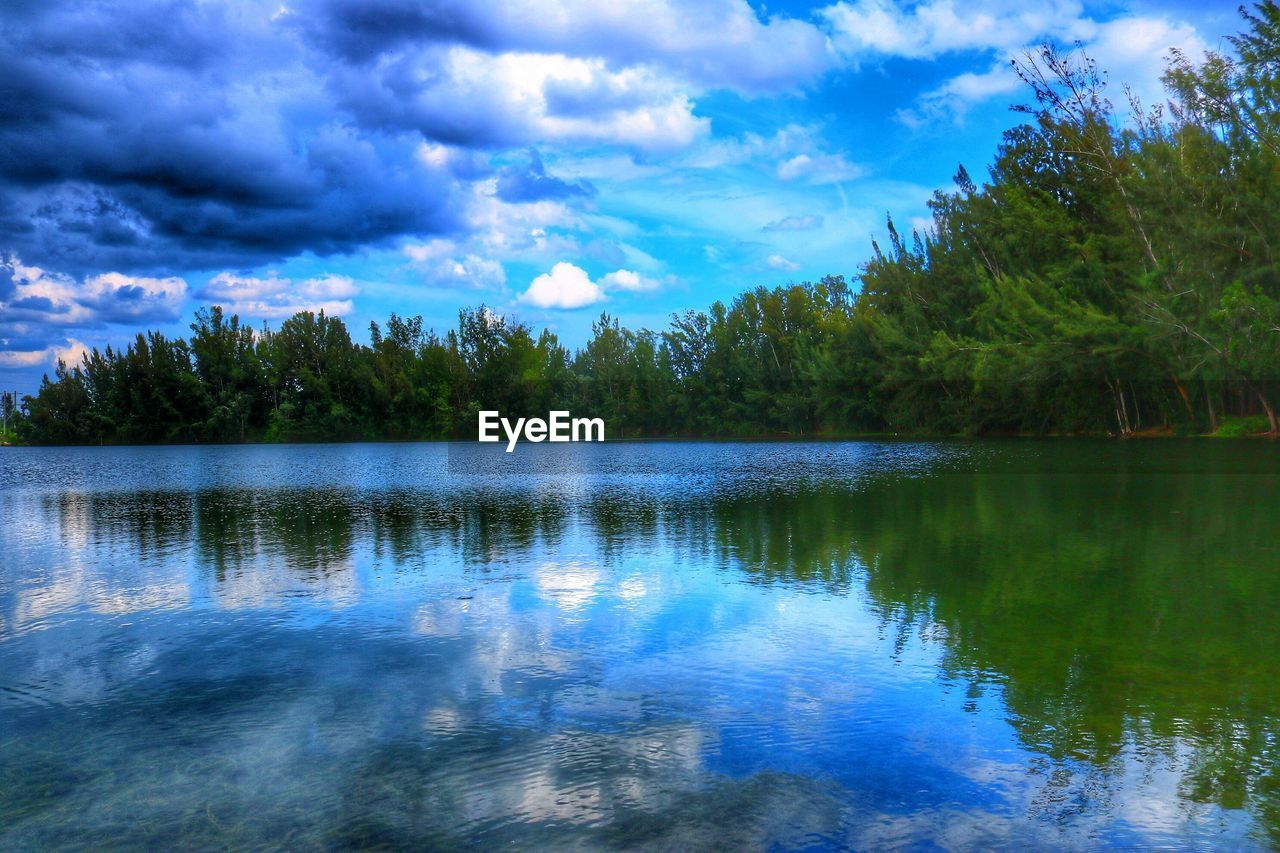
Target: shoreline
column 818, row 438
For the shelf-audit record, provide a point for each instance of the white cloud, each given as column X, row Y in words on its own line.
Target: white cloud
column 434, row 156
column 45, row 297
column 630, row 281
column 777, row 262
column 864, row 28
column 786, row 141
column 818, row 169
column 569, row 286
column 647, row 111
column 566, row 286
column 443, row 263
column 952, row 100
column 538, row 233
column 483, row 97
column 1131, row 49
column 711, row 43
column 24, row 358
column 272, row 297
column 71, row 353
column 500, row 232
column 50, row 298
column 432, row 250
column 796, row 152
column 461, row 162
column 795, row 223
column 35, row 301
column 526, row 230
column 472, row 271
column 120, row 298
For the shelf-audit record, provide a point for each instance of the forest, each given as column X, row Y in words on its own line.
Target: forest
column 1115, row 274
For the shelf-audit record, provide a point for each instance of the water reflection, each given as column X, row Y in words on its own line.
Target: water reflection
column 665, row 645
column 1117, row 615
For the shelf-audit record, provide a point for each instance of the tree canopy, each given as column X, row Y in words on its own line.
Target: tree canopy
column 1111, row 275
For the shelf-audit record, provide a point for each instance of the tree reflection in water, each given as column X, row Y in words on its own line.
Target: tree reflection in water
column 1123, row 619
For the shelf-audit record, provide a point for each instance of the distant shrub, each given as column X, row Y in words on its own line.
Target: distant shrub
column 1234, row 427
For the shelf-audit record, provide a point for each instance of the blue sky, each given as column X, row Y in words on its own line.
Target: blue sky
column 551, row 160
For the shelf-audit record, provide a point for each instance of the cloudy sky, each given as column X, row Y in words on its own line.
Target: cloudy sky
column 550, row 159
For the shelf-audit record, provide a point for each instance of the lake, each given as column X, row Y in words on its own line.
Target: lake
column 1018, row 644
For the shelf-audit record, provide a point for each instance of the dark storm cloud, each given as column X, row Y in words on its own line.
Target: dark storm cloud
column 420, row 65
column 415, row 93
column 36, row 305
column 360, row 30
column 175, row 32
column 162, row 135
column 714, row 42
column 24, row 337
column 8, row 287
column 173, row 135
column 340, row 193
column 530, row 182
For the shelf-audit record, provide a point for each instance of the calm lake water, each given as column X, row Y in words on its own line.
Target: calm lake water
column 678, row 645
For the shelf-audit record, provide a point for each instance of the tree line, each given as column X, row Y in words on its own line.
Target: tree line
column 1114, row 274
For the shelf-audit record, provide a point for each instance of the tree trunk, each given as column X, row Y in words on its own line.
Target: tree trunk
column 1122, row 414
column 1266, row 407
column 1182, row 392
column 1124, row 410
column 1137, row 411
